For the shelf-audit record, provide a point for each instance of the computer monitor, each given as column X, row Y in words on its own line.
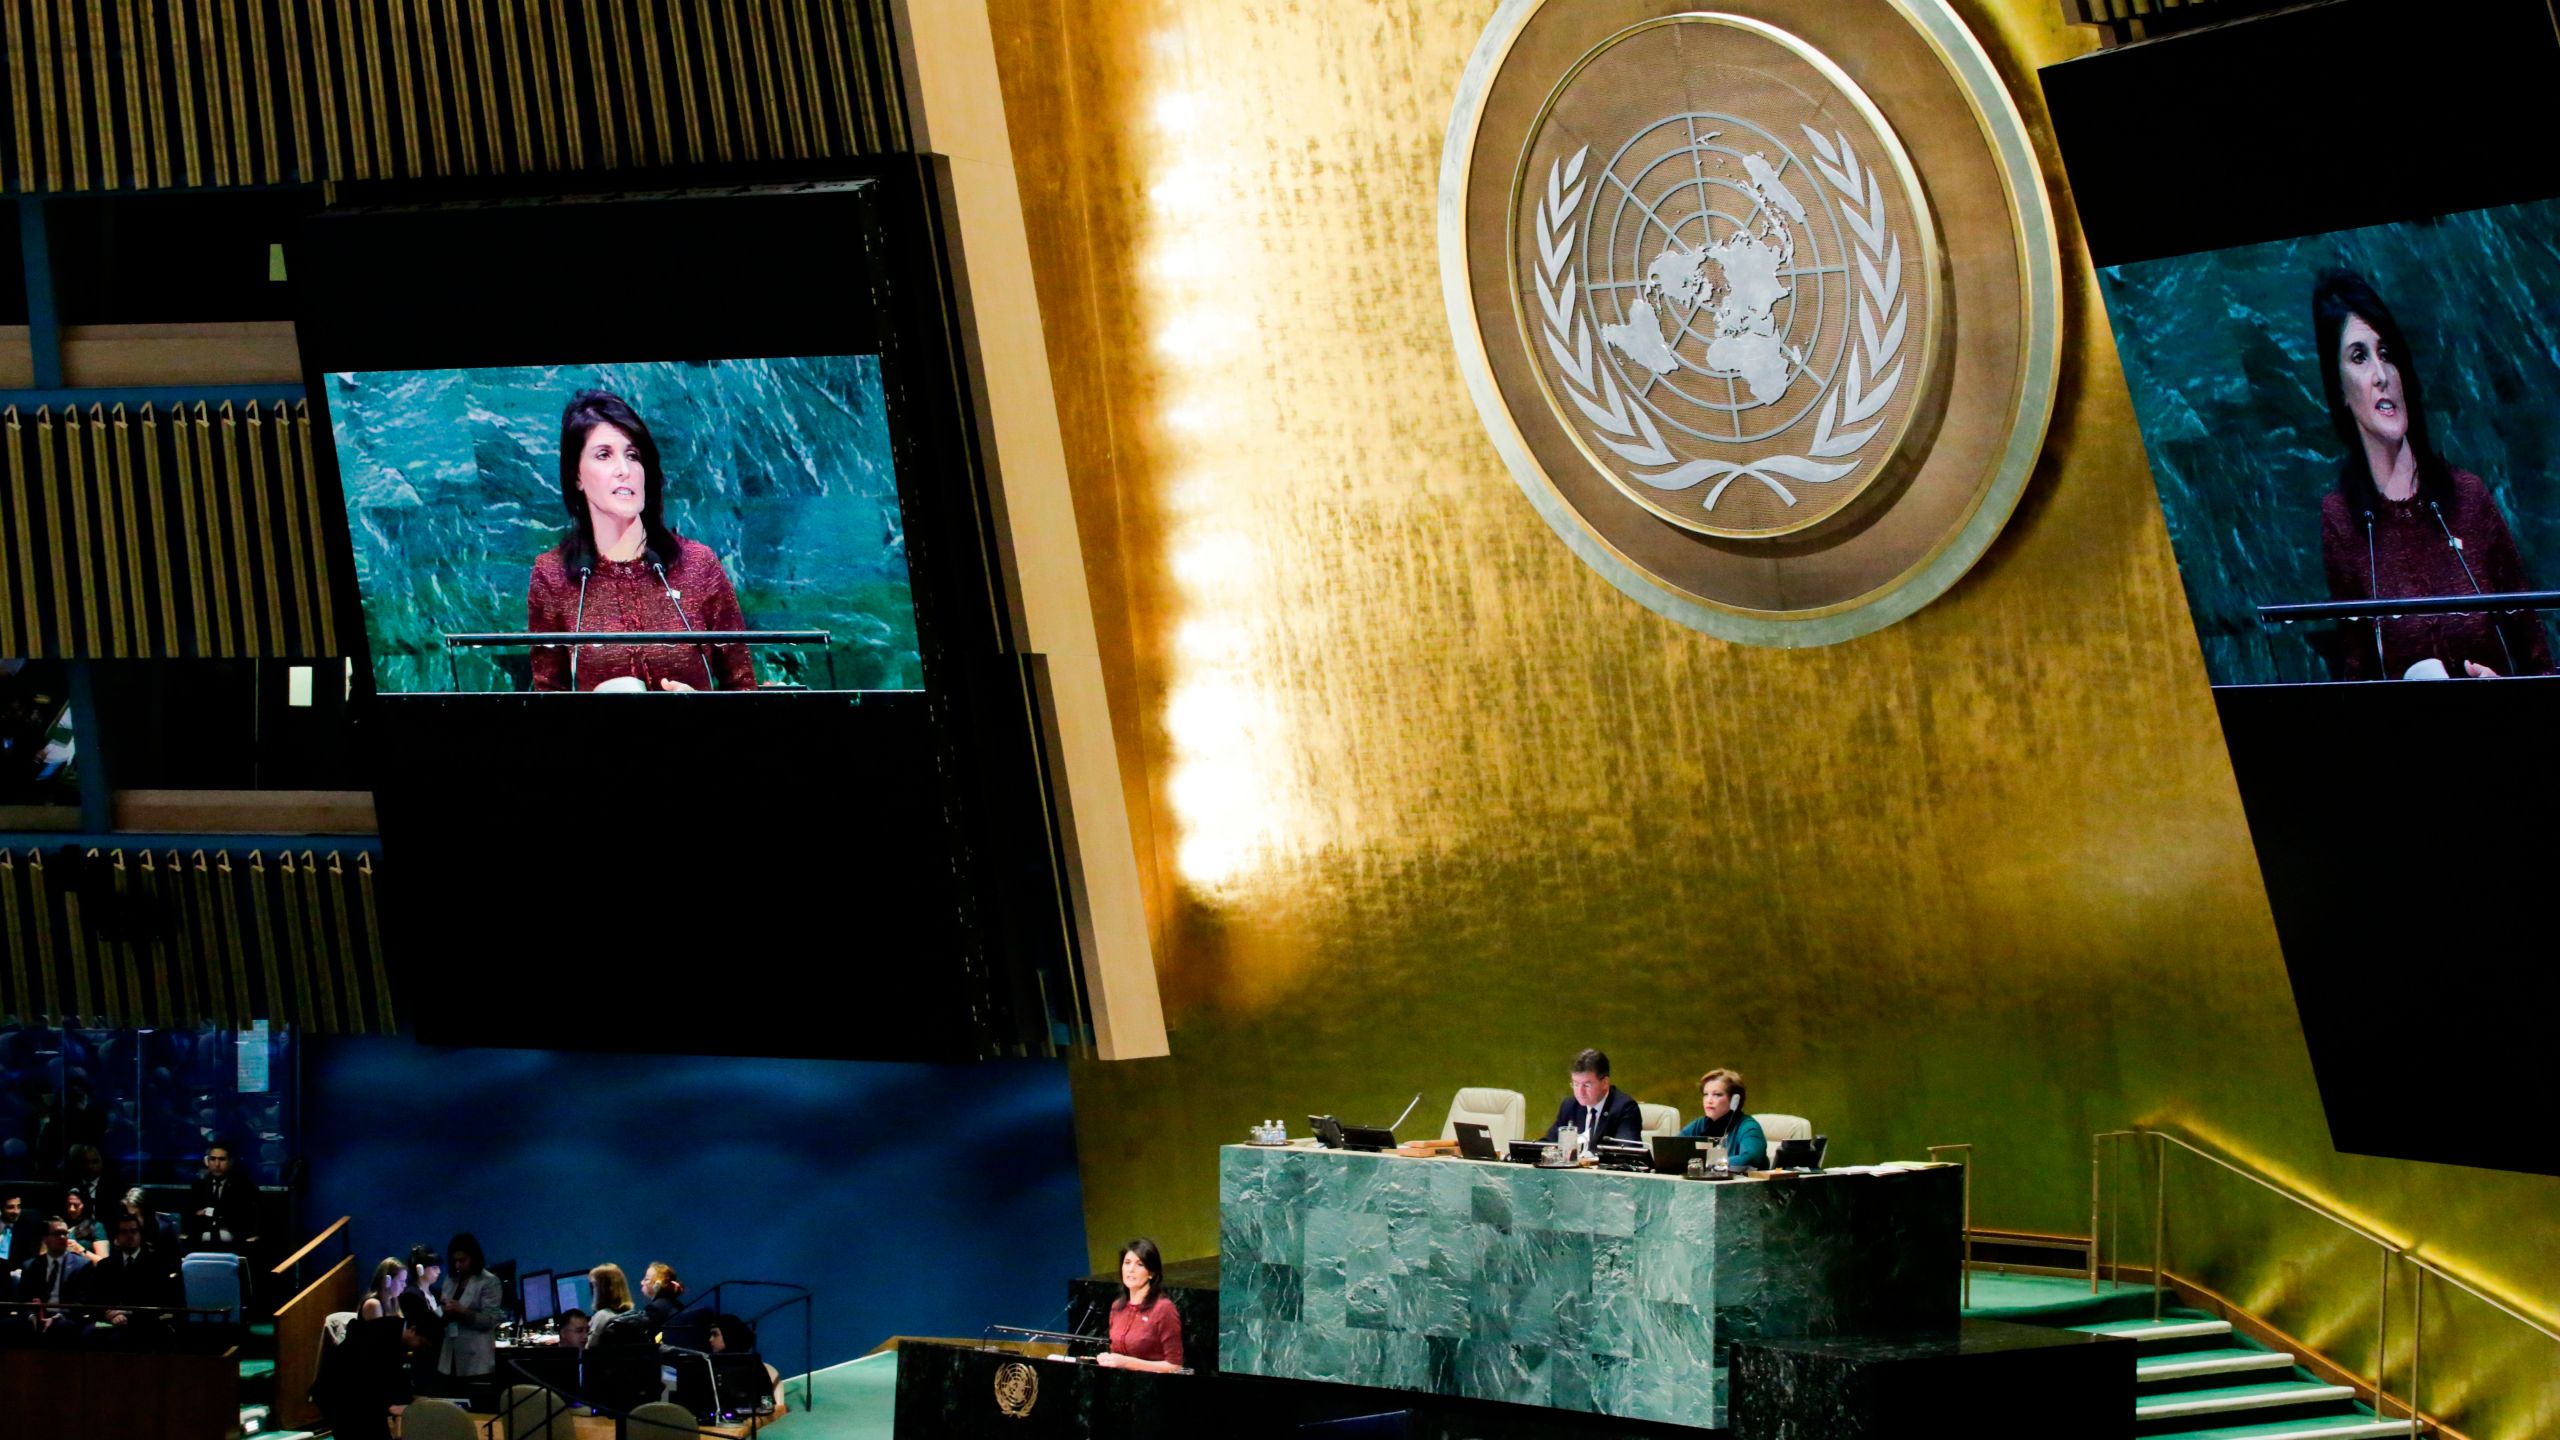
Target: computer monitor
column 574, row 1293
column 541, row 1303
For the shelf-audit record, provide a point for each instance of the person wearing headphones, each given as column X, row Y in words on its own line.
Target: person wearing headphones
column 1720, row 1096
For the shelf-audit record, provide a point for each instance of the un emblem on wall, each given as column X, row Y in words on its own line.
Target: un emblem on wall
column 1727, row 343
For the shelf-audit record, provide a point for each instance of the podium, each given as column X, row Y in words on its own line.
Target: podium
column 962, row 1392
column 1603, row 1292
column 456, row 641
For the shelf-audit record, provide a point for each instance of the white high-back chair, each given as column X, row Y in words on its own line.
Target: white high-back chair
column 1783, row 1127
column 428, row 1418
column 1504, row 1112
column 1659, row 1119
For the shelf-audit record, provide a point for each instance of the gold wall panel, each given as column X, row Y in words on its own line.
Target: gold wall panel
column 1424, row 803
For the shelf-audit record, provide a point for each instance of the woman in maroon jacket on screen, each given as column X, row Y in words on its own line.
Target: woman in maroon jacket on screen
column 1146, row 1331
column 621, row 569
column 2402, row 522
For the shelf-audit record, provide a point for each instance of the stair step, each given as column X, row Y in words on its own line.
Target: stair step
column 2182, row 1403
column 2327, row 1427
column 2189, row 1364
column 2158, row 1330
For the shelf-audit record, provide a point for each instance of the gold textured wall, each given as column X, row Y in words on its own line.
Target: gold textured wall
column 1424, row 803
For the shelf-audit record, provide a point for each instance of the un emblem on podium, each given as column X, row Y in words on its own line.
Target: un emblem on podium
column 1725, row 340
column 1017, row 1388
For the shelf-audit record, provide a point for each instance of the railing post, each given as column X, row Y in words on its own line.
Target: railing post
column 2382, row 1335
column 2417, row 1343
column 2159, row 1222
column 2097, row 1182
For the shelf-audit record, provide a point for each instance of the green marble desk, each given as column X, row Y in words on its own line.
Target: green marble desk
column 1601, row 1291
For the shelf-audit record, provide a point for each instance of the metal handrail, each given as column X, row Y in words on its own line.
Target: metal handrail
column 2160, row 1267
column 2314, row 1206
column 2097, row 1208
column 1965, row 1261
column 2418, row 1313
column 800, row 1296
column 2492, row 1301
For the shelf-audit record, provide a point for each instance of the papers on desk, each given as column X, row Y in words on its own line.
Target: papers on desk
column 1888, row 1167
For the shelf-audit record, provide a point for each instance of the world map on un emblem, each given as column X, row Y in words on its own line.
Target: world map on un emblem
column 1726, row 308
column 1718, row 292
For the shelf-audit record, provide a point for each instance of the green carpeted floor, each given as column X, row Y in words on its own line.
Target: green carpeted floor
column 855, row 1401
column 2054, row 1299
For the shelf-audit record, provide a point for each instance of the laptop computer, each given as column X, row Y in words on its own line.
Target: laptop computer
column 1800, row 1154
column 1475, row 1142
column 1334, row 1135
column 1367, row 1137
column 1672, row 1153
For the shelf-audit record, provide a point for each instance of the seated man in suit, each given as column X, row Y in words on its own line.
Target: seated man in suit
column 55, row 1277
column 20, row 1239
column 1600, row 1110
column 133, row 1275
column 219, row 1205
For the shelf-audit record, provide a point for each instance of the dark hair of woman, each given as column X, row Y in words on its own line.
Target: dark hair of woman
column 586, row 410
column 2339, row 294
column 467, row 1245
column 1150, row 1257
column 424, row 1255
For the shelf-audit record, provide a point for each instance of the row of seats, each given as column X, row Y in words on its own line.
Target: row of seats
column 532, row 1413
column 1506, row 1114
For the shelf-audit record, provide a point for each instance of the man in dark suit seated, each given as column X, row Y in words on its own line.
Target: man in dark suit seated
column 220, row 1206
column 141, row 1279
column 20, row 1238
column 56, row 1277
column 1600, row 1110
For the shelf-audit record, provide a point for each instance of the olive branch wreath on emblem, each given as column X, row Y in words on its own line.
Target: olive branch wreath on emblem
column 1630, row 432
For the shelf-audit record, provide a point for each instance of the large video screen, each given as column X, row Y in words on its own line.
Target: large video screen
column 2341, row 341
column 752, row 498
column 2361, row 419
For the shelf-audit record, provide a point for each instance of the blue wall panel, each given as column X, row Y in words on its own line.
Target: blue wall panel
column 914, row 1199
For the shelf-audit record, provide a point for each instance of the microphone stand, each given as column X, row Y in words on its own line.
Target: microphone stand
column 578, row 623
column 708, row 1369
column 675, row 597
column 2460, row 559
column 2373, row 590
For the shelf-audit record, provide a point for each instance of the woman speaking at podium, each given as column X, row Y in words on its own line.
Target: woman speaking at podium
column 2403, row 523
column 621, row 569
column 1146, row 1331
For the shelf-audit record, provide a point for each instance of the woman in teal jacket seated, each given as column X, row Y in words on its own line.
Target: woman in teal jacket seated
column 1720, row 1095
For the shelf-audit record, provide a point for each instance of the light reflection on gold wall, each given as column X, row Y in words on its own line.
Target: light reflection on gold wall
column 1426, row 804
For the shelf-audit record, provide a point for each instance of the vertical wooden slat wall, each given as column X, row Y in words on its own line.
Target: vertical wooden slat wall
column 151, row 94
column 109, row 937
column 136, row 534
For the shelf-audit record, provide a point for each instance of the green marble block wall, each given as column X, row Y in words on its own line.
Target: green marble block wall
column 1613, row 1293
column 2219, row 354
